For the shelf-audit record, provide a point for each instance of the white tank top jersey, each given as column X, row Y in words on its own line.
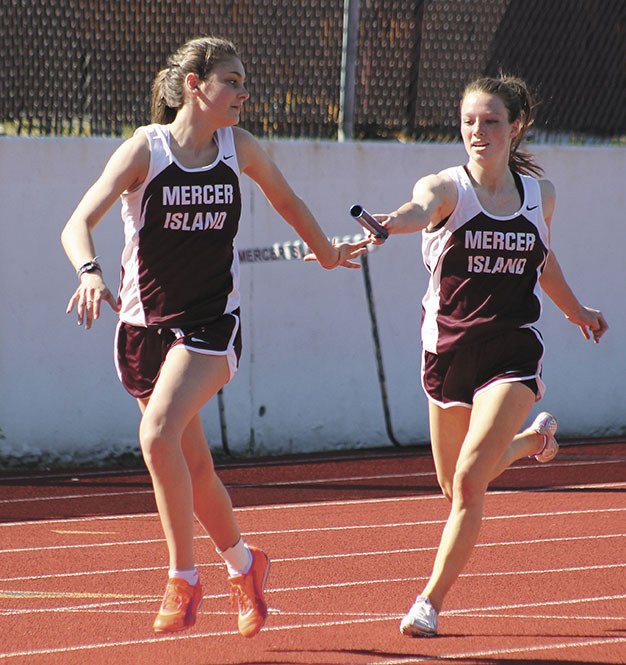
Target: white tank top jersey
column 484, row 269
column 180, row 266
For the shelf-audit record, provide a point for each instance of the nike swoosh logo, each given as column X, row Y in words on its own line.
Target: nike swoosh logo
column 197, row 339
column 228, row 156
column 171, row 612
column 531, row 207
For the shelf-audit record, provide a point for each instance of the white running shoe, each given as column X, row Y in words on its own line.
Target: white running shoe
column 421, row 619
column 545, row 424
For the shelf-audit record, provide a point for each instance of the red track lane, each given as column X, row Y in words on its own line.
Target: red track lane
column 83, row 565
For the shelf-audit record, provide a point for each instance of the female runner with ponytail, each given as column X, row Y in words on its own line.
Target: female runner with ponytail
column 486, row 244
column 178, row 338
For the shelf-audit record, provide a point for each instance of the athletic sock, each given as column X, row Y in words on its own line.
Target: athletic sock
column 238, row 558
column 190, row 576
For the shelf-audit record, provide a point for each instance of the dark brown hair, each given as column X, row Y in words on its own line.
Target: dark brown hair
column 198, row 56
column 520, row 104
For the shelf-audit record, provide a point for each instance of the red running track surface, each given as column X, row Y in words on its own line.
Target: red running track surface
column 352, row 540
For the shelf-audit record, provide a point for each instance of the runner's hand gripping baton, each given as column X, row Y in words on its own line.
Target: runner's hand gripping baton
column 368, row 222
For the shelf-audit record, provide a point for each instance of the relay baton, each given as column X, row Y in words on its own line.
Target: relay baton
column 368, row 222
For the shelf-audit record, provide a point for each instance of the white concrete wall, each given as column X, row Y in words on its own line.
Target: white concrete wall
column 308, row 379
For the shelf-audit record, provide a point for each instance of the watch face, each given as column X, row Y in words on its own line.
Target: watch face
column 90, row 267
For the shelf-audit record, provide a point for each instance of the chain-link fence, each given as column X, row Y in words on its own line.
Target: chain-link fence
column 86, row 66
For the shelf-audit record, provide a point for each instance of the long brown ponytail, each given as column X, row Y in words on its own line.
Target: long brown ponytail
column 517, row 98
column 198, row 56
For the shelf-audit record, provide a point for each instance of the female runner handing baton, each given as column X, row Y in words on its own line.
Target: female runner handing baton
column 486, row 244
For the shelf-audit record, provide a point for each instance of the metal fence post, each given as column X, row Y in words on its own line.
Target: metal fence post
column 349, row 50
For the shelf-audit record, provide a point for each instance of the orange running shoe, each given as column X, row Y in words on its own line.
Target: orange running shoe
column 247, row 594
column 179, row 607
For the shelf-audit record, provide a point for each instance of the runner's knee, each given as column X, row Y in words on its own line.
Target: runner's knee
column 469, row 486
column 158, row 441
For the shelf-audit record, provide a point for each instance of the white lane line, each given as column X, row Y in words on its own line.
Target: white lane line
column 70, row 497
column 544, row 617
column 314, row 504
column 291, row 589
column 322, row 624
column 427, row 497
column 543, row 603
column 347, row 527
column 575, row 644
column 299, row 482
column 219, row 564
column 567, row 451
column 420, row 474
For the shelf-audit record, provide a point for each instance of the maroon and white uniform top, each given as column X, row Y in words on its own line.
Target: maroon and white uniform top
column 180, row 266
column 484, row 269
